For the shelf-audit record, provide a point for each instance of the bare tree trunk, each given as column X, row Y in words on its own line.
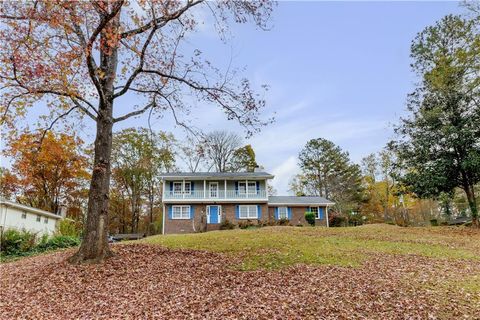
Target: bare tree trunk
column 94, row 247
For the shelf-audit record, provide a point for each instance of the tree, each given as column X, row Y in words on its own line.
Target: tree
column 221, row 147
column 243, row 159
column 139, row 156
column 438, row 142
column 328, row 172
column 86, row 56
column 192, row 152
column 47, row 171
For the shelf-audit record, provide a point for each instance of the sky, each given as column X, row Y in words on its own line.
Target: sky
column 336, row 70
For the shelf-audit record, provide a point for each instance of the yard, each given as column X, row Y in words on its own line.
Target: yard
column 374, row 272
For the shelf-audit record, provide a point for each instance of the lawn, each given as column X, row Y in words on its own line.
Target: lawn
column 369, row 272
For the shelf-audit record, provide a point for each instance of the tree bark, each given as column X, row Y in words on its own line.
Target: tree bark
column 94, row 247
column 472, row 202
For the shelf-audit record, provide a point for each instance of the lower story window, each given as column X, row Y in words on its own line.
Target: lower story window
column 314, row 210
column 282, row 213
column 248, row 212
column 181, row 212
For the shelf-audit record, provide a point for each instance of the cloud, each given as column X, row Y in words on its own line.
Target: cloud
column 283, row 173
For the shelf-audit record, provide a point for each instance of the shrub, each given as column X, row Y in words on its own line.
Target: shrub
column 434, row 222
column 310, row 217
column 227, row 225
column 15, row 242
column 246, row 224
column 58, row 242
column 69, row 228
column 283, row 222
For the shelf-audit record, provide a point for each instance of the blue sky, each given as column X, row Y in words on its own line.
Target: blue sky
column 336, row 70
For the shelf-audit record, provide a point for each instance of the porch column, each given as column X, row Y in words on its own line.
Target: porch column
column 183, row 188
column 163, row 190
column 225, row 184
column 204, row 188
column 246, row 188
column 326, row 214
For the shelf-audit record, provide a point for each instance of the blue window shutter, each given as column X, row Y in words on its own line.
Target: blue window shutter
column 170, row 212
column 192, row 186
column 276, row 213
column 237, row 212
column 259, row 210
column 258, row 186
column 192, row 211
column 236, row 187
column 171, row 185
column 321, row 212
column 289, row 213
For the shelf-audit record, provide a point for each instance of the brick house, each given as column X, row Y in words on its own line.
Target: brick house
column 201, row 201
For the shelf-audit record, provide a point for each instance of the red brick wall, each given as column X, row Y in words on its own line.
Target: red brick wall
column 199, row 221
column 298, row 216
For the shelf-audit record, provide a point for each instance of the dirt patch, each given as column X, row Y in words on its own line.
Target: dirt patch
column 150, row 282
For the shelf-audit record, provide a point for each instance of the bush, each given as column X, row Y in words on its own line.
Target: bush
column 246, row 224
column 15, row 242
column 69, row 228
column 283, row 222
column 58, row 242
column 434, row 222
column 310, row 217
column 227, row 225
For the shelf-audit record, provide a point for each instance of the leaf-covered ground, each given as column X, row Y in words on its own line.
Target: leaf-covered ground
column 146, row 281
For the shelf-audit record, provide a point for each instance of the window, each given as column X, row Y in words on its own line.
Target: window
column 177, row 188
column 213, row 187
column 24, row 215
column 39, row 217
column 252, row 187
column 282, row 213
column 314, row 210
column 188, row 188
column 46, row 220
column 181, row 212
column 248, row 212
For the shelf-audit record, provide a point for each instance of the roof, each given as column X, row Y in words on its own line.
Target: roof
column 293, row 200
column 19, row 206
column 219, row 175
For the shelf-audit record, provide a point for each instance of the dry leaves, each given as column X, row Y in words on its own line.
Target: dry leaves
column 149, row 282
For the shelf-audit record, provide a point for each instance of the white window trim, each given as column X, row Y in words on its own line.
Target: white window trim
column 248, row 217
column 210, row 190
column 175, row 192
column 252, row 190
column 181, row 217
column 317, row 214
column 280, row 215
column 189, row 189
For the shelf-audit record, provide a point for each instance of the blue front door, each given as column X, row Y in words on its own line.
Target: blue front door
column 213, row 215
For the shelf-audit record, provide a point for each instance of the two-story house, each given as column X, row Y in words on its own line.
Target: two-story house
column 202, row 200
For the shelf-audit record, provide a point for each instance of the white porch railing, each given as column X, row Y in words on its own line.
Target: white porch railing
column 216, row 194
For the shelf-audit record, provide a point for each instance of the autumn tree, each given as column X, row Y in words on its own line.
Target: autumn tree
column 86, row 56
column 47, row 170
column 243, row 159
column 221, row 147
column 139, row 156
column 438, row 143
column 192, row 152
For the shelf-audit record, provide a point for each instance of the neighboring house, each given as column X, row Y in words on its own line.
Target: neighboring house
column 17, row 216
column 195, row 200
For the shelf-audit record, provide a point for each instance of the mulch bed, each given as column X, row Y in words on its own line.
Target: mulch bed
column 150, row 282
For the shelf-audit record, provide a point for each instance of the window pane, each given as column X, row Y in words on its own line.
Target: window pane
column 242, row 188
column 243, row 211
column 252, row 188
column 177, row 187
column 314, row 209
column 187, row 187
column 177, row 212
column 282, row 213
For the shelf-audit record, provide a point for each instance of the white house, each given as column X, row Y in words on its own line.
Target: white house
column 17, row 216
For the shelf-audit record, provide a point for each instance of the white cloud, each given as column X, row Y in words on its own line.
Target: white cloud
column 283, row 173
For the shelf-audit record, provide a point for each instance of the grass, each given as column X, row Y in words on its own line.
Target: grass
column 276, row 247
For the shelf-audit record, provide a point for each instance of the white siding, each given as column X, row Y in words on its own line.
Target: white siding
column 11, row 218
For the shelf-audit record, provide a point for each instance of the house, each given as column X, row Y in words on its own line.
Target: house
column 18, row 216
column 201, row 201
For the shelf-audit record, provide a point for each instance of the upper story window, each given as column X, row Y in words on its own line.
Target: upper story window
column 39, row 218
column 24, row 215
column 252, row 187
column 46, row 220
column 282, row 213
column 178, row 186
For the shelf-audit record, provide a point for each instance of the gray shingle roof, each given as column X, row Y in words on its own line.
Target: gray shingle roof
column 220, row 175
column 292, row 200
